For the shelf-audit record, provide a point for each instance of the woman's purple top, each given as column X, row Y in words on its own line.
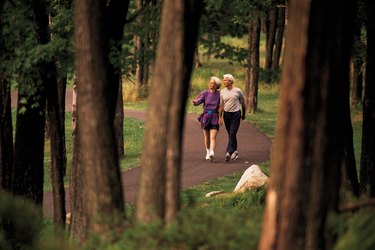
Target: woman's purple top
column 210, row 100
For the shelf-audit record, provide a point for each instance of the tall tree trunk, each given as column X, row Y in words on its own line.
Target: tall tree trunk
column 78, row 221
column 254, row 41
column 357, row 59
column 6, row 135
column 6, row 126
column 61, row 93
column 279, row 38
column 57, row 147
column 349, row 170
column 139, row 52
column 29, row 141
column 116, row 14
column 271, row 37
column 367, row 170
column 307, row 153
column 96, row 109
column 158, row 196
column 119, row 123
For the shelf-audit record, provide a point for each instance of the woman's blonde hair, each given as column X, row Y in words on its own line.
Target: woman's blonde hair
column 217, row 81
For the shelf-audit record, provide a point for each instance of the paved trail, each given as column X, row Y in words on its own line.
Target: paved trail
column 253, row 148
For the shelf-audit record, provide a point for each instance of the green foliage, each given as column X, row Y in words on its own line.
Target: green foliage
column 224, row 227
column 20, row 223
column 357, row 232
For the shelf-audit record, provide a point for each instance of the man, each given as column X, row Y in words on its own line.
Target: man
column 231, row 103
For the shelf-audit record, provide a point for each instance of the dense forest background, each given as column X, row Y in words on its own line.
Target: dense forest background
column 321, row 54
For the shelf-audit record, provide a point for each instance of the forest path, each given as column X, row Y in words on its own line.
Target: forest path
column 253, row 148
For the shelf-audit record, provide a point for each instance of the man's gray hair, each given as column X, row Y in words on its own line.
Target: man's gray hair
column 217, row 81
column 229, row 76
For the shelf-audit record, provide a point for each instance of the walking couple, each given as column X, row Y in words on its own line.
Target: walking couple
column 220, row 106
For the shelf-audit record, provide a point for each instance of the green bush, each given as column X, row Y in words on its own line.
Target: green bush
column 20, row 222
column 358, row 231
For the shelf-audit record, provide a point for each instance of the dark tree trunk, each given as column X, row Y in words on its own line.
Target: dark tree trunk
column 357, row 59
column 308, row 146
column 348, row 168
column 158, row 196
column 97, row 90
column 29, row 141
column 6, row 136
column 279, row 38
column 78, row 221
column 367, row 170
column 253, row 69
column 6, row 126
column 61, row 93
column 116, row 14
column 119, row 123
column 57, row 147
column 271, row 37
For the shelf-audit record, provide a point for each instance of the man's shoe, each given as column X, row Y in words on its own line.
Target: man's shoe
column 227, row 156
column 234, row 156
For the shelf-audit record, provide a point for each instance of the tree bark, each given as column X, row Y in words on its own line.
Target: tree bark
column 279, row 39
column 29, row 141
column 57, row 147
column 6, row 135
column 357, row 79
column 158, row 196
column 307, row 152
column 367, row 170
column 97, row 92
column 273, row 13
column 253, row 69
column 6, row 126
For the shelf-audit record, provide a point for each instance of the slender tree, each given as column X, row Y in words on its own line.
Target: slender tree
column 367, row 170
column 158, row 196
column 252, row 71
column 279, row 38
column 270, row 43
column 29, row 138
column 6, row 127
column 307, row 152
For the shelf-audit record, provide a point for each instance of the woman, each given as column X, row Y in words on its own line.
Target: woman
column 209, row 119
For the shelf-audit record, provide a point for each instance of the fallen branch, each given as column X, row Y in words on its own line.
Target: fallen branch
column 353, row 206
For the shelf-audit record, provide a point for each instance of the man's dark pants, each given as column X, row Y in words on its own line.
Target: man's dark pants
column 232, row 123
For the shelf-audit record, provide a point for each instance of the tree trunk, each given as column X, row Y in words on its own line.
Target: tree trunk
column 78, row 221
column 61, row 93
column 357, row 79
column 119, row 123
column 158, row 196
column 279, row 39
column 29, row 141
column 348, row 168
column 367, row 171
column 97, row 92
column 254, row 41
column 57, row 148
column 307, row 152
column 6, row 135
column 271, row 37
